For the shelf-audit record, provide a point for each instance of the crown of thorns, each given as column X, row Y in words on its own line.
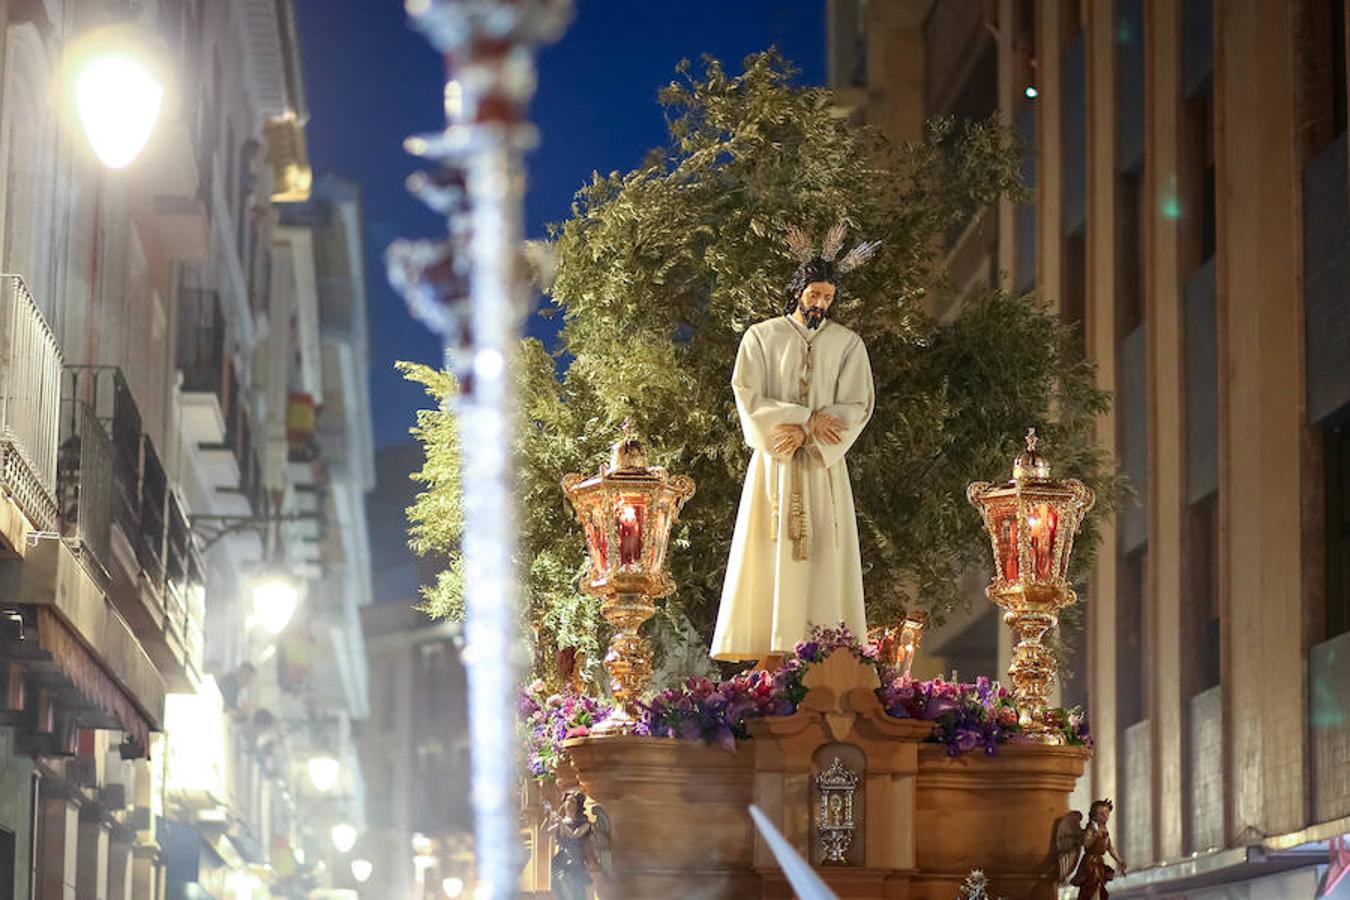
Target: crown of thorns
column 802, row 247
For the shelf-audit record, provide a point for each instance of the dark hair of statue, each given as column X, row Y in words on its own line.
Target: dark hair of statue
column 810, row 272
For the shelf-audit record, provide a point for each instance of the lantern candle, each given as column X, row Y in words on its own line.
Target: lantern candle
column 630, row 534
column 1041, row 525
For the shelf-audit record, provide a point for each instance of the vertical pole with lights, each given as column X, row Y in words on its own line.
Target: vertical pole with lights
column 469, row 289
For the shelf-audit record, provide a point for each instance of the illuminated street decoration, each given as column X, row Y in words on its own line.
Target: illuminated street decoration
column 470, row 291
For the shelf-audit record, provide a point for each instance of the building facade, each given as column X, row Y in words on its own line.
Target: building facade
column 1191, row 217
column 184, row 413
column 416, row 745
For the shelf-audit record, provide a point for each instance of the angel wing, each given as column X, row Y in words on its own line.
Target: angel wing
column 799, row 244
column 834, row 241
column 1067, row 843
column 857, row 256
column 599, row 844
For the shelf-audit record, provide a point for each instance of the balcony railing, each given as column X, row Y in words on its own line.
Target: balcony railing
column 105, row 391
column 184, row 579
column 85, row 483
column 30, row 399
column 153, row 508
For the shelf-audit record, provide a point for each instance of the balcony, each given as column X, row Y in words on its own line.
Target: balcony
column 232, row 466
column 30, row 397
column 118, row 512
column 207, row 384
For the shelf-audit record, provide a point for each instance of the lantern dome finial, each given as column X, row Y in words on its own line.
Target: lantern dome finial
column 627, row 452
column 1030, row 464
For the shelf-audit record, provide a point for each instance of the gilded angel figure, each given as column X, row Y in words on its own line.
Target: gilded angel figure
column 1081, row 852
column 582, row 840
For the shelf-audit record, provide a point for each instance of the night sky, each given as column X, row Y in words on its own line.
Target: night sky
column 371, row 81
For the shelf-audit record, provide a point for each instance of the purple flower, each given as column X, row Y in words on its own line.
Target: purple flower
column 808, row 651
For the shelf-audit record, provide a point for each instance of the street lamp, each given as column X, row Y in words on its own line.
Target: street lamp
column 344, row 837
column 323, row 772
column 118, row 91
column 452, row 886
column 275, row 598
column 361, row 869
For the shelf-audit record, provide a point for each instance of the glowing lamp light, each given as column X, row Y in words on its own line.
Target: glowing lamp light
column 361, row 869
column 275, row 598
column 1031, row 92
column 323, row 772
column 452, row 886
column 118, row 92
column 344, row 837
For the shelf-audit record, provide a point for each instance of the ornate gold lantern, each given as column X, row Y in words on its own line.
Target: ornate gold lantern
column 1032, row 521
column 627, row 511
column 899, row 644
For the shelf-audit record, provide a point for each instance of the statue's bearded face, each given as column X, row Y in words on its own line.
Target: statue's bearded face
column 814, row 302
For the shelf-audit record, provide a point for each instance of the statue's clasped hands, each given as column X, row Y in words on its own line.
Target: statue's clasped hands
column 821, row 427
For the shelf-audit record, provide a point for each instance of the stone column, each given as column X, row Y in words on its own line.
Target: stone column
column 1164, row 312
column 91, row 882
column 1100, row 328
column 146, row 875
column 1049, row 152
column 1261, row 394
column 1007, row 101
column 58, row 841
column 120, row 866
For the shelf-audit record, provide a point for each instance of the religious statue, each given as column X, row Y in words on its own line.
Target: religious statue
column 582, row 842
column 803, row 388
column 1090, row 873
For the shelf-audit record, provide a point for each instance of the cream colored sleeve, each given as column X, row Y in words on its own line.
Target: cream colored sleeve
column 854, row 401
column 760, row 415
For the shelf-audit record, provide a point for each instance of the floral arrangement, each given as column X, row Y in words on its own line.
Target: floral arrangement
column 967, row 716
column 547, row 721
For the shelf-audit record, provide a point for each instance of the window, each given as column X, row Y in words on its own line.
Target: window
column 1323, row 74
column 1200, row 653
column 1074, row 287
column 7, row 864
column 1197, row 204
column 1129, row 253
column 1132, row 653
column 1337, row 481
column 1025, row 80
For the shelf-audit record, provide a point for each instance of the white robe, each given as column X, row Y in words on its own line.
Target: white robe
column 771, row 598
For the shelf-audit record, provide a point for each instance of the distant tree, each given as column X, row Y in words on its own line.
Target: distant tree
column 658, row 273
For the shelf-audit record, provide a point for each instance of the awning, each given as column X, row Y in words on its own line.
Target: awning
column 90, row 678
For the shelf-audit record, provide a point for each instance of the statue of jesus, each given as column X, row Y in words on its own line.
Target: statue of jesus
column 803, row 387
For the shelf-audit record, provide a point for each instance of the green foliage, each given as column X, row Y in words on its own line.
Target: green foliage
column 659, row 272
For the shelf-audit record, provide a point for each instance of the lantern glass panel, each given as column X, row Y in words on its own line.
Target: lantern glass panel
column 597, row 541
column 631, row 522
column 1042, row 523
column 1006, row 529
